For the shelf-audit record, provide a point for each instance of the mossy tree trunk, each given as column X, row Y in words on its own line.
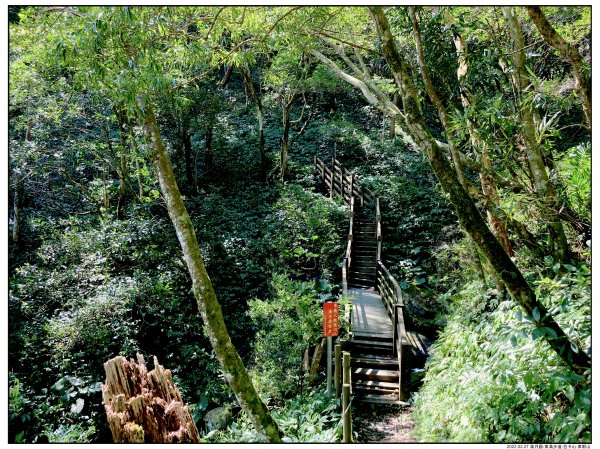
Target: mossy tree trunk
column 445, row 119
column 465, row 208
column 233, row 369
column 544, row 188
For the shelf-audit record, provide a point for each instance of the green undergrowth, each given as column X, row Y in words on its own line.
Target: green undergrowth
column 492, row 378
column 310, row 417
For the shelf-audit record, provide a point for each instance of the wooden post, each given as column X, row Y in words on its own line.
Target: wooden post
column 346, row 365
column 351, row 186
column 338, row 370
column 342, row 182
column 331, row 180
column 395, row 346
column 346, row 415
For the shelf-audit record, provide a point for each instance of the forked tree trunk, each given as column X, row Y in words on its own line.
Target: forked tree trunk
column 544, row 188
column 465, row 208
column 233, row 369
column 145, row 407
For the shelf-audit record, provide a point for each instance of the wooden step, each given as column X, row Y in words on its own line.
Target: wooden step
column 372, row 342
column 362, row 349
column 370, row 263
column 360, row 252
column 383, row 399
column 375, row 361
column 362, row 256
column 360, row 284
column 365, row 269
column 362, row 280
column 381, row 375
column 376, row 387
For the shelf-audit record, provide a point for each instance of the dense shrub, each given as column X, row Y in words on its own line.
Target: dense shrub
column 491, row 378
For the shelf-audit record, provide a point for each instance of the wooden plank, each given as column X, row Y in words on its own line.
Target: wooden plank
column 389, row 400
column 382, row 375
column 369, row 314
column 376, row 384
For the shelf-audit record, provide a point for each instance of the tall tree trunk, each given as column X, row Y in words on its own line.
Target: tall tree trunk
column 18, row 193
column 465, row 208
column 568, row 52
column 396, row 101
column 105, row 195
column 208, row 150
column 138, row 173
column 285, row 140
column 544, row 188
column 233, row 369
column 454, row 153
column 121, row 205
column 17, row 209
column 255, row 93
column 187, row 151
column 488, row 185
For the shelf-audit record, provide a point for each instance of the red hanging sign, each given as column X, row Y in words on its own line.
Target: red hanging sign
column 331, row 321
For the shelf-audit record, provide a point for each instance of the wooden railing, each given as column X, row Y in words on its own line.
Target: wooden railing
column 341, row 181
column 391, row 295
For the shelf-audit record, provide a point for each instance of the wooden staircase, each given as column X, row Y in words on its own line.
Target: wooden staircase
column 379, row 338
column 364, row 251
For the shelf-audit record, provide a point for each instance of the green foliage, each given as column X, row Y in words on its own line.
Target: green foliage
column 286, row 325
column 310, row 418
column 306, row 231
column 491, row 378
column 575, row 168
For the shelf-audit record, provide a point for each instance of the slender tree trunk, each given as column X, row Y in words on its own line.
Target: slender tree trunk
column 16, row 209
column 208, row 150
column 233, row 369
column 121, row 205
column 255, row 93
column 227, row 75
column 568, row 52
column 285, row 141
column 465, row 208
column 137, row 165
column 396, row 101
column 187, row 151
column 544, row 188
column 488, row 185
column 454, row 153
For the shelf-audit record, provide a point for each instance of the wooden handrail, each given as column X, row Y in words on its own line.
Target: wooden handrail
column 391, row 293
column 343, row 182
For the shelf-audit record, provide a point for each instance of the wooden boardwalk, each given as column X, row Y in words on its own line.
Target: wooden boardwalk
column 369, row 316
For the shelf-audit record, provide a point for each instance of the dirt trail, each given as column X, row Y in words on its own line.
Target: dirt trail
column 378, row 423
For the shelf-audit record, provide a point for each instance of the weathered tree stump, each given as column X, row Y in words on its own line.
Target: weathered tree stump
column 145, row 407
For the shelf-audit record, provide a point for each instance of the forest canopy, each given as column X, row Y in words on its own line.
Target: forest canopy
column 163, row 200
